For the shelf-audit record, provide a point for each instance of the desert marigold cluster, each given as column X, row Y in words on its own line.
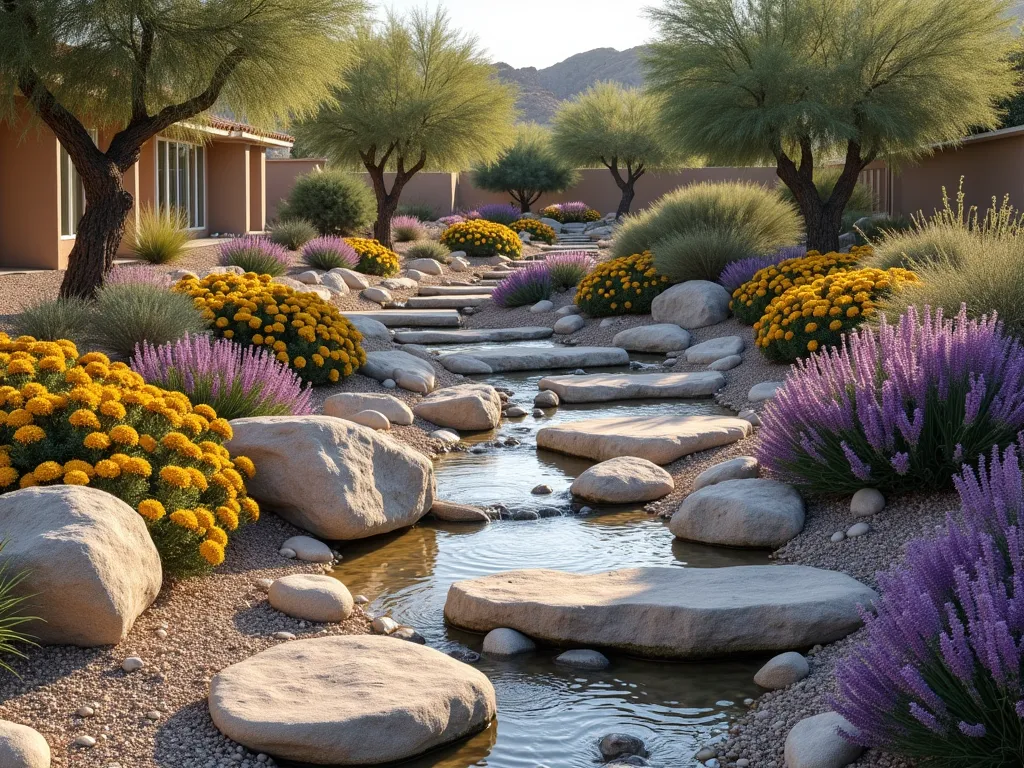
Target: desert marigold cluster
column 807, row 318
column 479, row 237
column 538, row 230
column 374, row 258
column 73, row 420
column 750, row 301
column 305, row 332
column 623, row 286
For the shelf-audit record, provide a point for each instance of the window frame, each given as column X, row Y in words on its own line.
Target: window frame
column 194, row 173
column 70, row 191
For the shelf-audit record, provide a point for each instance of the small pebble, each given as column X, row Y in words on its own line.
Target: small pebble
column 85, row 741
column 85, row 711
column 286, row 552
column 858, row 529
column 161, row 633
column 389, row 383
column 537, row 413
column 867, row 501
column 837, row 537
column 283, row 636
column 361, row 599
column 264, row 584
column 541, row 490
column 132, row 664
column 153, row 715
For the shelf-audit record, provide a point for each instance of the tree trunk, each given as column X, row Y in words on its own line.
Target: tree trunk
column 523, row 198
column 628, row 193
column 386, row 209
column 99, row 233
column 823, row 222
column 627, row 184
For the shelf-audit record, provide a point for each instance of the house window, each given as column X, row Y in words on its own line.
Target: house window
column 181, row 180
column 72, row 193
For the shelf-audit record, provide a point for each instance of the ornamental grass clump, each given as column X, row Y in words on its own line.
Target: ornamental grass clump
column 739, row 272
column 405, row 229
column 536, row 229
column 374, row 258
column 159, row 236
column 302, row 330
column 898, row 407
column 255, row 254
column 293, row 233
column 940, row 675
column 751, row 300
column 807, row 318
column 235, row 381
column 479, row 237
column 132, row 313
column 499, row 213
column 524, row 286
column 329, row 253
column 53, row 319
column 567, row 269
column 575, row 212
column 87, row 421
column 429, row 249
column 624, row 286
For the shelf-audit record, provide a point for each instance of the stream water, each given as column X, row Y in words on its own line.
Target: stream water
column 550, row 715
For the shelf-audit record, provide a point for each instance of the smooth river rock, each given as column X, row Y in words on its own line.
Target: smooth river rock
column 89, row 562
column 473, row 407
column 370, row 329
column 764, row 391
column 22, row 747
column 345, row 405
column 782, row 671
column 693, row 304
column 541, row 358
column 666, row 613
column 604, row 387
column 402, row 318
column 311, row 597
column 458, row 513
column 333, row 478
column 454, row 290
column 569, row 324
column 527, row 333
column 447, row 302
column 581, row 658
column 714, row 349
column 757, row 513
column 740, row 468
column 503, row 641
column 624, row 480
column 815, row 742
column 308, row 549
column 660, row 439
column 377, row 700
column 409, row 371
column 662, row 337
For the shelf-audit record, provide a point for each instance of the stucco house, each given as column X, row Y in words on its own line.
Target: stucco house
column 220, row 184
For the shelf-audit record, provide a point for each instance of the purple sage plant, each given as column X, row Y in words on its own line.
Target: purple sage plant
column 134, row 274
column 329, row 253
column 453, row 219
column 939, row 676
column 568, row 268
column 235, row 380
column 742, row 271
column 405, row 229
column 898, row 408
column 524, row 286
column 500, row 213
column 255, row 254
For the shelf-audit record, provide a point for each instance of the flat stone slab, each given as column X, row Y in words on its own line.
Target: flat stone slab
column 528, row 333
column 350, row 700
column 418, row 318
column 714, row 349
column 603, row 387
column 661, row 439
column 447, row 302
column 543, row 358
column 666, row 613
column 454, row 290
column 392, row 364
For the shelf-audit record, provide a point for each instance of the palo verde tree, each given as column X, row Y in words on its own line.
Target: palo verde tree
column 615, row 127
column 420, row 95
column 527, row 169
column 135, row 68
column 802, row 82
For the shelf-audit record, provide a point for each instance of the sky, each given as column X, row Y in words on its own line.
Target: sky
column 539, row 33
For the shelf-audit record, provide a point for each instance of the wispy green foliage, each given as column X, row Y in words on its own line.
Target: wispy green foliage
column 617, row 128
column 527, row 169
column 159, row 236
column 12, row 615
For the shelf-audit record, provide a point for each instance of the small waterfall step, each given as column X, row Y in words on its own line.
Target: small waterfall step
column 447, row 302
column 454, row 290
column 475, row 336
column 525, row 358
column 412, row 318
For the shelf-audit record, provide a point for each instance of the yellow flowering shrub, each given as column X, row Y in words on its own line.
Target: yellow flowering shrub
column 623, row 286
column 305, row 332
column 750, row 301
column 73, row 420
column 807, row 318
column 478, row 237
column 374, row 258
column 571, row 213
column 538, row 230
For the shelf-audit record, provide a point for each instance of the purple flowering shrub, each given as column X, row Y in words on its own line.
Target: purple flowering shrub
column 739, row 272
column 235, row 380
column 255, row 254
column 405, row 229
column 499, row 213
column 575, row 212
column 329, row 253
column 136, row 274
column 897, row 408
column 941, row 673
column 453, row 219
column 524, row 286
column 567, row 269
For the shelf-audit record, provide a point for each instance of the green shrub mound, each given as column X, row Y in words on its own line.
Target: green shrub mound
column 336, row 203
column 130, row 314
column 293, row 233
column 429, row 249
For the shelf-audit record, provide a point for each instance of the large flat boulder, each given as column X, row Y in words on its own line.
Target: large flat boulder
column 544, row 358
column 334, row 478
column 90, row 565
column 713, row 350
column 411, row 372
column 693, row 304
column 401, row 318
column 754, row 512
column 371, row 329
column 625, row 480
column 666, row 613
column 527, row 333
column 455, row 290
column 473, row 407
column 350, row 700
column 605, row 387
column 661, row 439
column 345, row 405
column 447, row 302
column 661, row 337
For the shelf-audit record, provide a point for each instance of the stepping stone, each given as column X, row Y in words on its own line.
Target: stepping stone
column 472, row 407
column 447, row 302
column 757, row 513
column 726, row 363
column 714, row 349
column 815, row 742
column 377, row 700
column 740, row 468
column 527, row 333
column 401, row 318
column 693, row 304
column 569, row 324
column 371, row 329
column 542, row 306
column 541, row 358
column 663, row 337
column 454, row 290
column 660, row 439
column 458, row 513
column 500, row 275
column 311, row 597
column 605, row 387
column 667, row 613
column 347, row 404
column 625, row 480
column 764, row 391
column 408, row 371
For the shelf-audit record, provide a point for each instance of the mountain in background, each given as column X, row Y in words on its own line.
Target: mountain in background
column 541, row 91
